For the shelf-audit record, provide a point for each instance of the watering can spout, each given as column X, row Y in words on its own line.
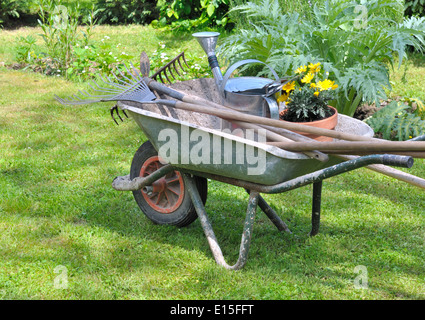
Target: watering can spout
column 208, row 42
column 244, row 94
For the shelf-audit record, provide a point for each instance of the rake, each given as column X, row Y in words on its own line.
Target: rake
column 135, row 89
column 173, row 63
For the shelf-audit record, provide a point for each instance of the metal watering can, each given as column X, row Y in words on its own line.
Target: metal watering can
column 245, row 94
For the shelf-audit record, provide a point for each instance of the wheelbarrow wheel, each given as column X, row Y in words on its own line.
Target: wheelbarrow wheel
column 167, row 201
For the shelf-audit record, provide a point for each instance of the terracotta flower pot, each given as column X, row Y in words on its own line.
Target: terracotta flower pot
column 327, row 123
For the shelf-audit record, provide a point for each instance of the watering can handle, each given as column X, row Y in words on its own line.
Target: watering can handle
column 236, row 65
column 273, row 107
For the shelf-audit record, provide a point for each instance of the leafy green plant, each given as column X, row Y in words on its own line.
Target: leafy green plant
column 397, row 121
column 191, row 14
column 26, row 50
column 97, row 58
column 125, row 11
column 70, row 52
column 355, row 43
column 60, row 34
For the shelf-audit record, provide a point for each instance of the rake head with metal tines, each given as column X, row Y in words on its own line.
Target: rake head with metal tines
column 133, row 89
column 173, row 63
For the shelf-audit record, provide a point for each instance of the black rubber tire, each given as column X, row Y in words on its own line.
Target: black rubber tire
column 182, row 216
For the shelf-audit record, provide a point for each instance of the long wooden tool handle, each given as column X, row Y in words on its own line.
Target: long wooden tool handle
column 231, row 115
column 354, row 146
column 393, row 173
column 202, row 102
column 276, row 137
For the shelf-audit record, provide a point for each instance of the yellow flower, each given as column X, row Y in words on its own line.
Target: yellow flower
column 314, row 68
column 307, row 78
column 313, row 85
column 316, row 93
column 326, row 85
column 283, row 97
column 301, row 69
column 289, row 86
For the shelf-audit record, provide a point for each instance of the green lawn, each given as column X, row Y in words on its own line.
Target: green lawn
column 66, row 234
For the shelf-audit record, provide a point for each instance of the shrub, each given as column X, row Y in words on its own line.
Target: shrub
column 192, row 14
column 125, row 11
column 414, row 8
column 13, row 9
column 97, row 58
column 354, row 44
column 303, row 8
column 59, row 26
column 7, row 10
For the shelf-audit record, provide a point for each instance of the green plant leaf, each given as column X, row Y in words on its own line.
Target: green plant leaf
column 210, row 9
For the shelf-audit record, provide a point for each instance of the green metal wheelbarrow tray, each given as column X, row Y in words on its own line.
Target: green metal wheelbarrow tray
column 174, row 192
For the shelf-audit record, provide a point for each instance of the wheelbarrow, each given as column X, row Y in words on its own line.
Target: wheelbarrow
column 169, row 172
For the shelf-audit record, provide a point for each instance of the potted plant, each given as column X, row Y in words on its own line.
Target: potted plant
column 306, row 99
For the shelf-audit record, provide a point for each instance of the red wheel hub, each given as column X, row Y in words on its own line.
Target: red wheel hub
column 168, row 192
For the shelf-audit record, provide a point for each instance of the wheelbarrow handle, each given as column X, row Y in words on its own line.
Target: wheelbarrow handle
column 346, row 166
column 124, row 183
column 397, row 161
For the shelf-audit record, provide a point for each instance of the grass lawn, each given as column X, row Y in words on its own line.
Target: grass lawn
column 66, row 234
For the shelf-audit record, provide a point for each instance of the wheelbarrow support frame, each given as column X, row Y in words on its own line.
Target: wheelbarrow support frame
column 254, row 190
column 315, row 178
column 209, row 232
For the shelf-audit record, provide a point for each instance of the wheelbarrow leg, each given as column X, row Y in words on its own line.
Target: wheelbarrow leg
column 271, row 214
column 315, row 214
column 209, row 232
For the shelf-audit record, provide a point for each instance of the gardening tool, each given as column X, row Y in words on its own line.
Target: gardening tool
column 245, row 94
column 139, row 92
column 167, row 67
column 136, row 90
column 353, row 147
column 115, row 109
column 284, row 135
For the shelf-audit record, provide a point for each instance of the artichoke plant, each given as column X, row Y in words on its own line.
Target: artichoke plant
column 356, row 43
